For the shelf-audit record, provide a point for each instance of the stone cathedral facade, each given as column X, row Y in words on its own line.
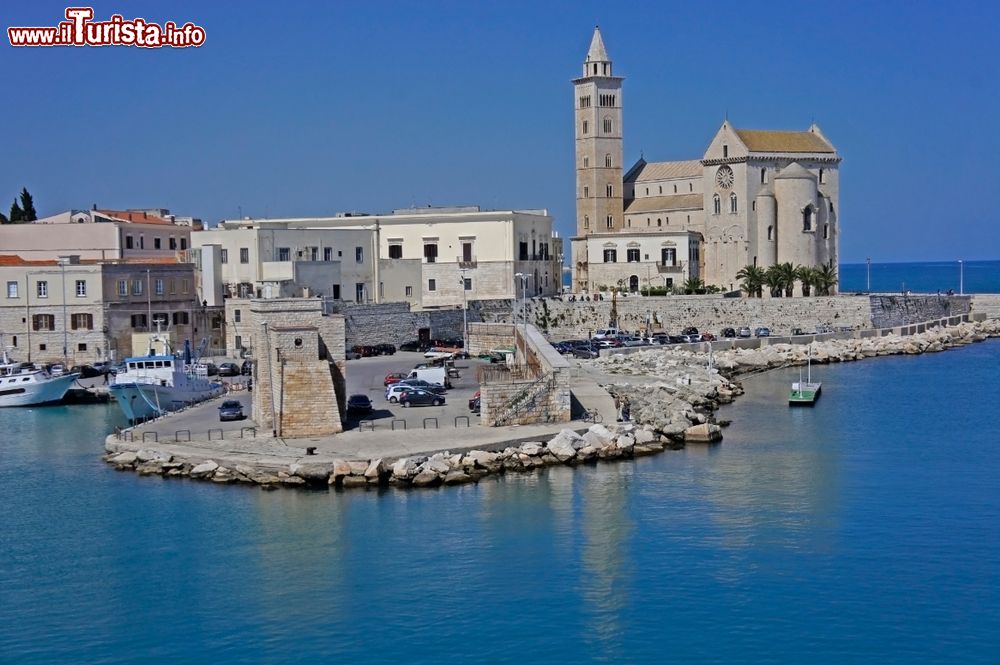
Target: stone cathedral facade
column 756, row 197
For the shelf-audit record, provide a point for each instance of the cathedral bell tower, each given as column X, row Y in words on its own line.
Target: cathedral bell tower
column 598, row 116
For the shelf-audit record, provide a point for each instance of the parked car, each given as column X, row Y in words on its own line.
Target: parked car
column 634, row 341
column 415, row 345
column 229, row 369
column 762, row 332
column 57, row 369
column 85, row 371
column 823, row 328
column 386, row 349
column 115, row 369
column 798, row 331
column 359, row 404
column 474, row 401
column 587, row 351
column 103, row 367
column 231, row 410
column 246, row 369
column 206, row 369
column 606, row 333
column 424, row 385
column 728, row 332
column 690, row 330
column 707, row 337
column 393, row 377
column 744, row 332
column 419, row 397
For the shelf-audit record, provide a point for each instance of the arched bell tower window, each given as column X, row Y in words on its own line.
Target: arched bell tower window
column 608, row 125
column 716, row 204
column 807, row 218
column 733, row 207
column 607, row 163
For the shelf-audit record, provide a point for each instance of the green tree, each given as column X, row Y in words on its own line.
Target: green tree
column 774, row 280
column 16, row 214
column 788, row 277
column 807, row 276
column 28, row 213
column 693, row 285
column 3, row 219
column 825, row 279
column 751, row 280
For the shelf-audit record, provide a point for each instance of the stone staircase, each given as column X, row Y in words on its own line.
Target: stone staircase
column 525, row 400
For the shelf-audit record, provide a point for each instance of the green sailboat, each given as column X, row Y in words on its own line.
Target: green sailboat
column 805, row 393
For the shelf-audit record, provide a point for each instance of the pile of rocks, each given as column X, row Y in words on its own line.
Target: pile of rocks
column 624, row 440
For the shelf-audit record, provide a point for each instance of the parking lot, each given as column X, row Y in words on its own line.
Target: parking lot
column 366, row 376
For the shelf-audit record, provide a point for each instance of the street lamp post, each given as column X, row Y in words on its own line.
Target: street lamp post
column 868, row 280
column 961, row 277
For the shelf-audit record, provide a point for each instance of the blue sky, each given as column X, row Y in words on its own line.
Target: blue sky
column 302, row 108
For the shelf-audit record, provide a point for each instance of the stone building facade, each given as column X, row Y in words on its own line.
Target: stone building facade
column 755, row 197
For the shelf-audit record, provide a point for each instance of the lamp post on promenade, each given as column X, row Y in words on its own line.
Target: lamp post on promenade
column 523, row 278
column 961, row 277
column 868, row 281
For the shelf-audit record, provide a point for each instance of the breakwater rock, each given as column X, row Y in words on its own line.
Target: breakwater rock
column 599, row 442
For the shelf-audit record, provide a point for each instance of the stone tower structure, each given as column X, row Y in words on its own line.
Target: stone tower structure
column 598, row 122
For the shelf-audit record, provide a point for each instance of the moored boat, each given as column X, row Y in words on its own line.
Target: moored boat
column 805, row 393
column 22, row 384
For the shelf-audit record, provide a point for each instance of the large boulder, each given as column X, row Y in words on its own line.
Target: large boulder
column 405, row 468
column 532, row 448
column 127, row 458
column 703, row 433
column 341, row 468
column 375, row 469
column 152, row 456
column 313, row 473
column 564, row 445
column 434, row 466
column 204, row 469
column 426, row 479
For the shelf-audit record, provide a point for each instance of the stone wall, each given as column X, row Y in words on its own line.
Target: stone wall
column 562, row 319
column 395, row 323
column 483, row 337
column 987, row 304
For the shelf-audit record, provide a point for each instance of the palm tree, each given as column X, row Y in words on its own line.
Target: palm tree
column 693, row 285
column 807, row 276
column 788, row 277
column 752, row 279
column 825, row 279
column 774, row 281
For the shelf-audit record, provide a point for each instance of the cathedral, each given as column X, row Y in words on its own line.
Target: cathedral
column 756, row 197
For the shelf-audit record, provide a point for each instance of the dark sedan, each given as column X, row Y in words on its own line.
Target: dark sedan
column 419, row 397
column 359, row 404
column 231, row 410
column 728, row 332
column 587, row 351
column 229, row 369
column 423, row 385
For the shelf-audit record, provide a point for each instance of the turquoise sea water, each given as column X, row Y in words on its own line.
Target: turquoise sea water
column 866, row 529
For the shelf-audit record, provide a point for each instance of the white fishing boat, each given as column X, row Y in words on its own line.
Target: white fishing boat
column 160, row 382
column 23, row 384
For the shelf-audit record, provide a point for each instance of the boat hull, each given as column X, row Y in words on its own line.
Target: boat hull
column 142, row 401
column 36, row 393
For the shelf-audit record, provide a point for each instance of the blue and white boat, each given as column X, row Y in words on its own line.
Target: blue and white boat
column 22, row 384
column 158, row 383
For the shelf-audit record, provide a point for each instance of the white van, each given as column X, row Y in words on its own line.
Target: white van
column 607, row 333
column 436, row 375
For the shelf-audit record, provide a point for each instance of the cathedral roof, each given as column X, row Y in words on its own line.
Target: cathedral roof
column 597, row 52
column 690, row 168
column 794, row 170
column 759, row 140
column 665, row 203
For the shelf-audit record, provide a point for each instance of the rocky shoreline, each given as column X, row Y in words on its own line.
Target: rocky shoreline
column 674, row 404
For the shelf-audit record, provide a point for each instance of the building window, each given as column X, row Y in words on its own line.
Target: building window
column 610, row 190
column 586, row 162
column 611, row 222
column 129, row 242
column 716, row 204
column 753, row 205
column 432, row 285
column 395, row 251
column 12, row 289
column 158, row 285
column 467, row 283
column 467, row 252
column 237, row 316
column 244, row 255
column 160, row 319
column 409, row 291
column 359, row 254
column 632, row 255
column 185, row 286
column 586, row 221
column 328, row 253
column 42, row 289
column 123, row 287
column 770, row 233
column 43, row 322
column 586, row 192
column 585, row 102
column 822, row 177
column 668, row 256
column 725, row 151
column 690, row 186
column 763, row 176
column 284, row 254
column 157, row 243
column 608, row 126
column 184, row 243
column 238, row 341
column 82, row 346
column 430, row 252
column 826, row 231
column 142, row 241
column 807, row 218
column 733, row 207
column 611, row 256
column 181, row 318
column 82, row 322
column 138, row 320
column 675, row 189
column 137, row 287
column 586, row 127
column 224, row 256
column 81, row 288
column 173, row 242
column 41, row 347
column 336, row 291
column 607, row 163
column 659, row 222
column 522, row 251
column 831, row 207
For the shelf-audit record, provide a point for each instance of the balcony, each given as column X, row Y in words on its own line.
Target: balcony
column 669, row 268
column 466, row 263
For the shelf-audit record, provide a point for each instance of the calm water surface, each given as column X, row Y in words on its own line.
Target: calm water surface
column 864, row 530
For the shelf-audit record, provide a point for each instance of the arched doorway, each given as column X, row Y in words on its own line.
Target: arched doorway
column 633, row 283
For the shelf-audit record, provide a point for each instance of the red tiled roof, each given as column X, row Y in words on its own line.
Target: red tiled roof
column 135, row 217
column 14, row 260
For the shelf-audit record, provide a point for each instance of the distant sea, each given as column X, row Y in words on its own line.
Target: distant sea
column 922, row 277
